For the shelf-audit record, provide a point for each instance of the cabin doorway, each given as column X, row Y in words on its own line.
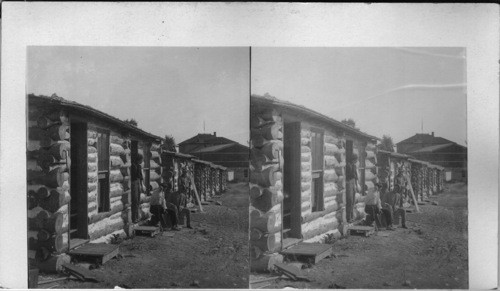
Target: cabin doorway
column 134, row 152
column 291, row 184
column 78, row 224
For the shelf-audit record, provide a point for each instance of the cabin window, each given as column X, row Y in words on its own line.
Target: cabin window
column 317, row 201
column 103, row 170
column 147, row 168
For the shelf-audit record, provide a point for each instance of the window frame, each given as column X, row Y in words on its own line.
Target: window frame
column 103, row 198
column 317, row 170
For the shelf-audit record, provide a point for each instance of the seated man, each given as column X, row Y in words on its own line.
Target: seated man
column 171, row 209
column 373, row 207
column 396, row 202
column 158, row 208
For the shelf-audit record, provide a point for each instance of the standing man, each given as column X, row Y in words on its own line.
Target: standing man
column 179, row 199
column 137, row 185
column 351, row 182
column 373, row 207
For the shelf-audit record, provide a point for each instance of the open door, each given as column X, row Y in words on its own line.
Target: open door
column 78, row 224
column 291, row 182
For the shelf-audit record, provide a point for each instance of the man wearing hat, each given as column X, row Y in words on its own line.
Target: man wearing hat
column 351, row 182
column 373, row 207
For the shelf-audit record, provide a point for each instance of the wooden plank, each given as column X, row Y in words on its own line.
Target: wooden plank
column 76, row 242
column 79, row 272
column 292, row 272
column 307, row 249
column 100, row 253
column 147, row 230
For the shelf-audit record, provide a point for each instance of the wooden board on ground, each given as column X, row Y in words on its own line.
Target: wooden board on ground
column 261, row 283
column 79, row 272
column 308, row 252
column 291, row 272
column 361, row 230
column 97, row 253
column 147, row 230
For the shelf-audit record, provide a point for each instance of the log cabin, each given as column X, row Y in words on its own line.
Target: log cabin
column 79, row 178
column 297, row 176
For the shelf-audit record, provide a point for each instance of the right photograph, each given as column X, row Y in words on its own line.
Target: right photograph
column 358, row 168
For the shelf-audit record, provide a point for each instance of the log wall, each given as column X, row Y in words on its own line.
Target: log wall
column 48, row 189
column 117, row 217
column 265, row 188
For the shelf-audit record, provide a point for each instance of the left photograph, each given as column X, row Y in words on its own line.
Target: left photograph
column 137, row 167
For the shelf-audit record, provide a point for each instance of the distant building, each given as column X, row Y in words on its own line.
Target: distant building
column 220, row 151
column 439, row 151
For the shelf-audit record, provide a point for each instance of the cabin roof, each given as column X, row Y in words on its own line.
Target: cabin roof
column 72, row 105
column 434, row 148
column 273, row 101
column 394, row 154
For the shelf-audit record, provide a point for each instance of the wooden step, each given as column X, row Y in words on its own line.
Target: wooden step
column 308, row 252
column 96, row 253
column 361, row 230
column 147, row 230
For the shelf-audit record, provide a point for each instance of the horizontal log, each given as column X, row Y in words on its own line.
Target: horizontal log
column 115, row 176
column 153, row 165
column 330, row 176
column 305, row 167
column 91, row 167
column 116, row 139
column 330, row 191
column 322, row 227
column 258, row 141
column 58, row 132
column 304, row 186
column 116, row 189
column 269, row 242
column 52, row 179
column 54, row 264
column 272, row 149
column 305, row 141
column 92, row 158
column 331, row 162
column 305, row 133
column 102, row 215
column 305, row 157
column 265, row 223
column 92, row 177
column 53, row 243
column 92, row 142
column 268, row 114
column 154, row 185
column 255, row 252
column 267, row 177
column 331, row 139
column 267, row 200
column 341, row 183
column 305, row 149
column 317, row 214
column 154, row 176
column 265, row 263
column 305, row 177
column 116, row 149
column 55, row 200
column 116, row 162
column 91, row 187
column 91, row 150
column 271, row 131
column 369, row 176
column 330, row 149
column 155, row 155
column 370, row 154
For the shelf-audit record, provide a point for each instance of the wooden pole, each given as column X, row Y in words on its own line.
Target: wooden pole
column 412, row 194
column 196, row 194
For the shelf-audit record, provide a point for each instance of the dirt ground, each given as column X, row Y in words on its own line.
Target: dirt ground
column 212, row 255
column 431, row 253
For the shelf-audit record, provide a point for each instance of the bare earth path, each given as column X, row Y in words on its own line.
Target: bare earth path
column 217, row 258
column 432, row 253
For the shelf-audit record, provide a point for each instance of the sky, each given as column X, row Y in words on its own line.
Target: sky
column 387, row 91
column 167, row 90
